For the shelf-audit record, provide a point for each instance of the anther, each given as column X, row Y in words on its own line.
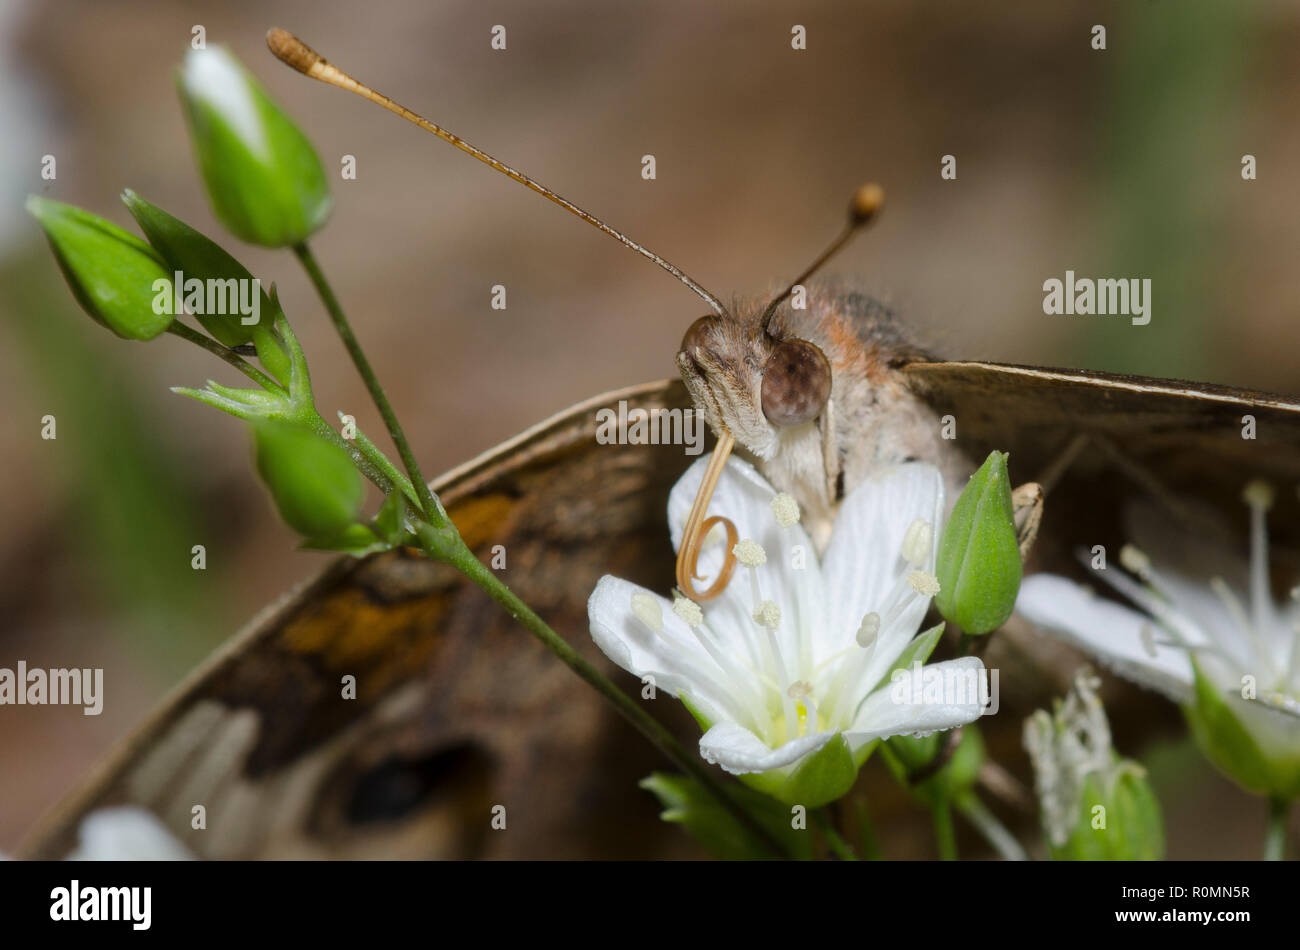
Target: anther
column 647, row 610
column 786, row 510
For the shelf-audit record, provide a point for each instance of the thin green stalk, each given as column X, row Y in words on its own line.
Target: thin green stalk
column 380, row 475
column 838, row 845
column 945, row 835
column 445, row 544
column 868, row 842
column 382, row 462
column 427, row 504
column 994, row 832
column 226, row 353
column 1275, row 836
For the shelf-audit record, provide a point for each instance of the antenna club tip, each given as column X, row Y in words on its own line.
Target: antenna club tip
column 290, row 50
column 866, row 203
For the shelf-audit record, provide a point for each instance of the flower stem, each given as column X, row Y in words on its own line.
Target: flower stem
column 381, row 461
column 994, row 832
column 945, row 835
column 427, row 504
column 445, row 544
column 838, row 845
column 867, row 839
column 1275, row 836
column 226, row 353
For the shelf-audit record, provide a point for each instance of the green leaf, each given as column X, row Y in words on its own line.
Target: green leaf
column 263, row 177
column 688, row 804
column 979, row 556
column 111, row 273
column 198, row 257
column 314, row 484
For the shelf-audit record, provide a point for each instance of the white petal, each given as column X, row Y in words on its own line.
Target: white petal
column 745, row 497
column 675, row 658
column 739, row 751
column 1109, row 631
column 126, row 833
column 899, row 709
column 863, row 560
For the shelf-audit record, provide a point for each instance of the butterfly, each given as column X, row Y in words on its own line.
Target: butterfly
column 456, row 711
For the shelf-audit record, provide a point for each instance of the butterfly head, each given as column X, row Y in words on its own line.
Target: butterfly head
column 754, row 384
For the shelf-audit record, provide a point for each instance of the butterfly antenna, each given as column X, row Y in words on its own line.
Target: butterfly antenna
column 865, row 205
column 294, row 52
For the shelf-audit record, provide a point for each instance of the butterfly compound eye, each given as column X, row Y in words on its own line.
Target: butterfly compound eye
column 796, row 383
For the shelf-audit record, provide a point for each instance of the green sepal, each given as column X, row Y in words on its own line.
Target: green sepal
column 1233, row 748
column 685, row 802
column 112, row 273
column 390, row 521
column 263, row 178
column 918, row 650
column 978, row 564
column 357, row 540
column 1134, row 828
column 196, row 256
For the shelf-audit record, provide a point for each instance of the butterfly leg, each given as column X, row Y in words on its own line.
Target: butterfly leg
column 1027, row 510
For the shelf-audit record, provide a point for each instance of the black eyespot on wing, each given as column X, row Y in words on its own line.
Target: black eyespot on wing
column 796, row 383
column 398, row 786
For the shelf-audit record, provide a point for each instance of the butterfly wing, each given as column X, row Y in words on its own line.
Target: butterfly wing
column 1115, row 449
column 457, row 709
column 1119, row 435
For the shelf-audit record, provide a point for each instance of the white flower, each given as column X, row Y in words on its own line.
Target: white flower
column 126, row 833
column 796, row 652
column 1199, row 643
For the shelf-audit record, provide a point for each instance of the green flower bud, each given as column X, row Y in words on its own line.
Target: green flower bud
column 978, row 563
column 263, row 177
column 111, row 273
column 1257, row 747
column 315, row 486
column 197, row 257
column 1094, row 805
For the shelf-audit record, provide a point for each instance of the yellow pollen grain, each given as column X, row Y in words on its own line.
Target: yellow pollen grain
column 749, row 553
column 689, row 611
column 1134, row 559
column 927, row 585
column 1258, row 494
column 768, row 614
column 786, row 510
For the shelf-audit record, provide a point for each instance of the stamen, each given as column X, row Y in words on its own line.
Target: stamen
column 647, row 610
column 917, row 542
column 1134, row 559
column 869, row 630
column 750, row 553
column 1234, row 607
column 925, row 584
column 786, row 510
column 1148, row 637
column 689, row 611
column 768, row 614
column 1259, row 496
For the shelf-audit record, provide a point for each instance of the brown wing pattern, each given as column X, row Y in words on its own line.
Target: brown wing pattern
column 457, row 708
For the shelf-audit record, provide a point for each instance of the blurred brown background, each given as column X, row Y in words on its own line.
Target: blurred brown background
column 1121, row 163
